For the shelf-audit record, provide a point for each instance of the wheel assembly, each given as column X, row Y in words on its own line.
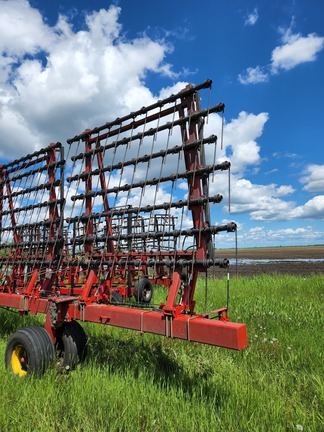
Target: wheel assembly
column 70, row 345
column 116, row 298
column 29, row 351
column 143, row 291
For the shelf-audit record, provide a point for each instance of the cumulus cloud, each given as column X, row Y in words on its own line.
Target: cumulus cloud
column 294, row 50
column 312, row 209
column 269, row 202
column 284, row 236
column 23, row 30
column 263, row 202
column 55, row 81
column 314, row 178
column 239, row 139
column 241, row 136
column 253, row 76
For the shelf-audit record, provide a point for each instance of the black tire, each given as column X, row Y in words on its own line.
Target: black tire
column 71, row 345
column 143, row 291
column 116, row 298
column 81, row 340
column 30, row 351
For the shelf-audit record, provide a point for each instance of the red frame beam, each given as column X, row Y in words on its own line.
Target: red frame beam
column 194, row 328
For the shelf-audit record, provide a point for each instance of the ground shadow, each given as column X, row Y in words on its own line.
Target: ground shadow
column 134, row 355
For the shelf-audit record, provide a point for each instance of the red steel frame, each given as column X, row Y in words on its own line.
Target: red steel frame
column 66, row 288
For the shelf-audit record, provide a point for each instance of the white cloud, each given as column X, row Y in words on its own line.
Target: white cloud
column 287, row 232
column 284, row 236
column 295, row 50
column 253, row 76
column 285, row 154
column 103, row 25
column 262, row 202
column 241, row 136
column 22, row 29
column 284, row 190
column 252, row 18
column 314, row 178
column 174, row 89
column 271, row 171
column 266, row 203
column 70, row 80
column 312, row 209
column 269, row 202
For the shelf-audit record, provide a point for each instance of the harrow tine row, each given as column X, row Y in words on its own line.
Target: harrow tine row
column 146, row 158
column 216, row 199
column 191, row 90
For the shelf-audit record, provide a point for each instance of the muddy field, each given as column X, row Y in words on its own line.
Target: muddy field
column 302, row 261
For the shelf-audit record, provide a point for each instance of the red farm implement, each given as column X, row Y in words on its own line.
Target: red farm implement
column 90, row 238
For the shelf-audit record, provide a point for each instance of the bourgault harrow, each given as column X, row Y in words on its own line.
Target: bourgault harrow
column 87, row 238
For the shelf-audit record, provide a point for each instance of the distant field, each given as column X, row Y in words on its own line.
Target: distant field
column 296, row 252
column 302, row 260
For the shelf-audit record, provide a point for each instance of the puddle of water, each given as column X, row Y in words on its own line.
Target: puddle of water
column 245, row 261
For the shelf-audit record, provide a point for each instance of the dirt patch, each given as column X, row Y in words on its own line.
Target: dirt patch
column 301, row 261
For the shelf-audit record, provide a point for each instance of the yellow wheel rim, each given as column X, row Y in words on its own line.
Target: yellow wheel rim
column 19, row 361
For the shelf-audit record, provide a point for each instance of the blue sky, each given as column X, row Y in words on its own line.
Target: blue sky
column 68, row 65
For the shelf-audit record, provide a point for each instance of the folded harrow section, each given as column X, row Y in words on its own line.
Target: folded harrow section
column 31, row 226
column 139, row 210
column 129, row 212
column 139, row 197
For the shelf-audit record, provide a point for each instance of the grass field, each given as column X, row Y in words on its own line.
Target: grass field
column 149, row 383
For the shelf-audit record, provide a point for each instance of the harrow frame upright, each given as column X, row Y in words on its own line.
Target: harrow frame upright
column 88, row 238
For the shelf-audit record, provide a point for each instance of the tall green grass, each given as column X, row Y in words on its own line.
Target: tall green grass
column 149, row 383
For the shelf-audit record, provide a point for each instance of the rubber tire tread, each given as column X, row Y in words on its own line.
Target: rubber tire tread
column 46, row 346
column 70, row 349
column 116, row 298
column 73, row 344
column 38, row 346
column 139, row 291
column 81, row 340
